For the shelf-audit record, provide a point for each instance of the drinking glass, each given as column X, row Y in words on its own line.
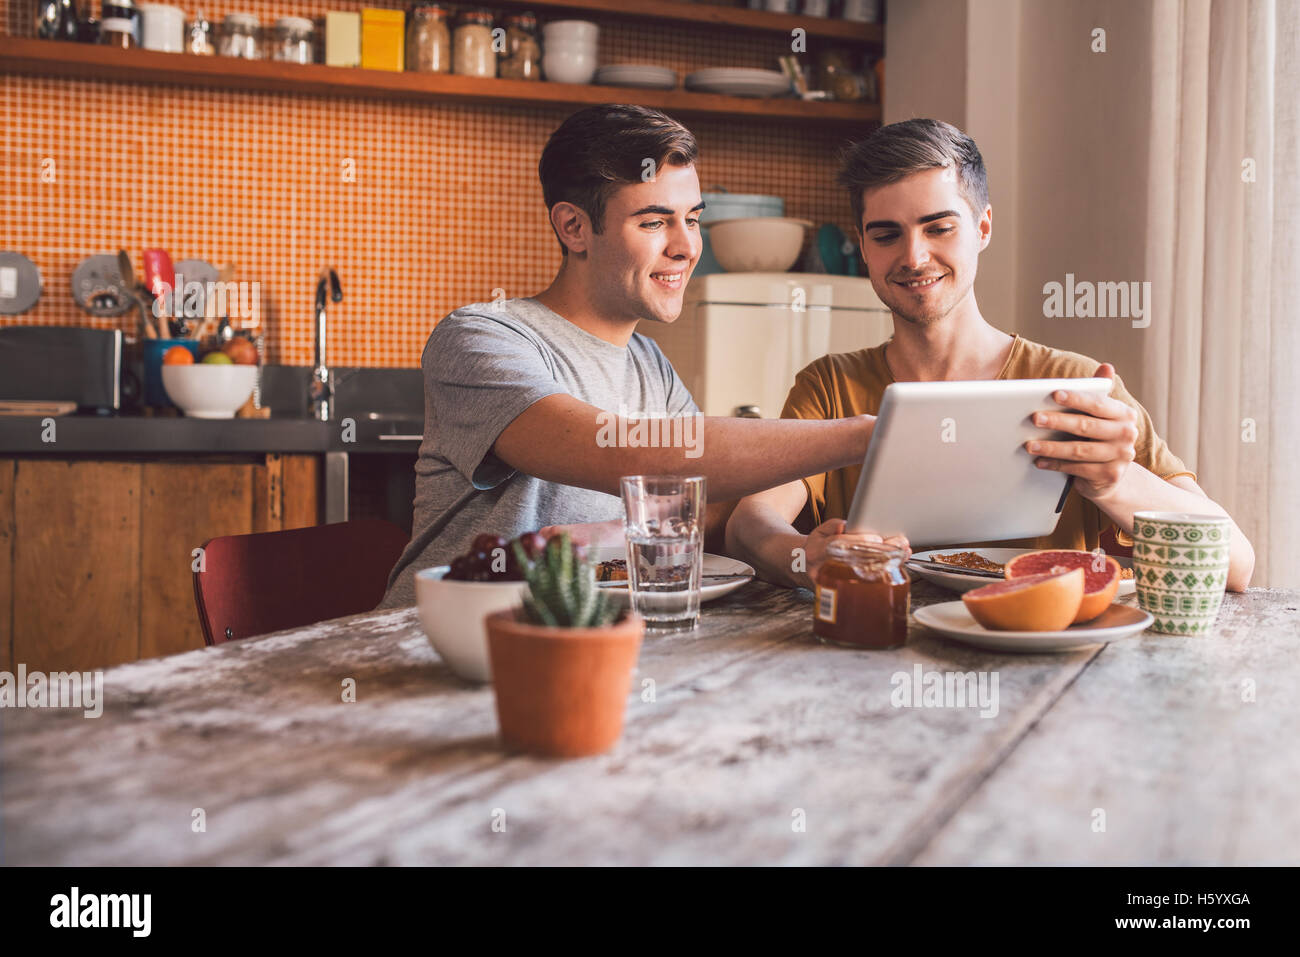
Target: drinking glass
column 664, row 525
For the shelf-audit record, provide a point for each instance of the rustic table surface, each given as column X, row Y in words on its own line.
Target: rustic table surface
column 747, row 742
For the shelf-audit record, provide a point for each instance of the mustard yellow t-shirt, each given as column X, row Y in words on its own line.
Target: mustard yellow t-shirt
column 853, row 383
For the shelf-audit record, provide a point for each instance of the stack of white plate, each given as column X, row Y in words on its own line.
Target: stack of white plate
column 739, row 82
column 640, row 75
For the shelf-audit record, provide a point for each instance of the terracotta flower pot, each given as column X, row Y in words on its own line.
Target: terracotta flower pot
column 561, row 692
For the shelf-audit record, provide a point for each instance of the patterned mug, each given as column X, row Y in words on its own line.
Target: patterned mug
column 1180, row 563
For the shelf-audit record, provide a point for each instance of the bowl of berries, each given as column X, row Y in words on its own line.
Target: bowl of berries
column 454, row 599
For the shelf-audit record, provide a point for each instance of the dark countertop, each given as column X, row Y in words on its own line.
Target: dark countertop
column 139, row 434
column 379, row 401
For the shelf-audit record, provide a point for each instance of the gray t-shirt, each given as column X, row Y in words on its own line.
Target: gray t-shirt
column 483, row 366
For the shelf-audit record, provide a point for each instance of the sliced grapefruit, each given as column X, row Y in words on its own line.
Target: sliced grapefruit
column 1100, row 578
column 1045, row 602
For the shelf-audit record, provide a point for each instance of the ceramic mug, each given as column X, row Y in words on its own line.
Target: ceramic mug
column 163, row 27
column 1180, row 563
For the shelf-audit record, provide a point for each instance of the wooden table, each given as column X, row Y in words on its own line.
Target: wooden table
column 758, row 745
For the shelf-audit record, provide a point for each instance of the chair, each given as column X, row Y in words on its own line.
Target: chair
column 270, row 581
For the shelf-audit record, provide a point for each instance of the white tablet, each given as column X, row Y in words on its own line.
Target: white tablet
column 947, row 462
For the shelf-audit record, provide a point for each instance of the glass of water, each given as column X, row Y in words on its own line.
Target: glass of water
column 664, row 523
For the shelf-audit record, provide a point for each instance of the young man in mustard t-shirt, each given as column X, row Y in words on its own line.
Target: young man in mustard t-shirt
column 920, row 200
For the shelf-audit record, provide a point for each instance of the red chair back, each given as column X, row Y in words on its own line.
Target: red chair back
column 1109, row 543
column 270, row 581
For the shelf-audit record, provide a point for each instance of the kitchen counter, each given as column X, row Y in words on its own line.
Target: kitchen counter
column 23, row 435
column 757, row 745
column 381, row 402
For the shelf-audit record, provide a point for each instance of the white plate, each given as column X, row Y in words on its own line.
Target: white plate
column 637, row 82
column 712, row 565
column 958, row 581
column 953, row 620
column 739, row 82
column 634, row 75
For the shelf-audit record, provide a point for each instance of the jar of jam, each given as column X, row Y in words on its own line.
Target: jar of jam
column 863, row 595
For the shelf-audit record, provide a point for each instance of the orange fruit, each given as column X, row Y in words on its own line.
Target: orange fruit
column 1046, row 602
column 178, row 356
column 1099, row 583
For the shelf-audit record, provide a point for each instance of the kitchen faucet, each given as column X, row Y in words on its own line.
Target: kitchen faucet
column 321, row 390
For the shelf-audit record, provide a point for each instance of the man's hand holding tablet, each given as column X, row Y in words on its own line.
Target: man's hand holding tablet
column 1108, row 429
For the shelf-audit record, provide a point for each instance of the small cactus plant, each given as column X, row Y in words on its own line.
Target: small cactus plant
column 562, row 588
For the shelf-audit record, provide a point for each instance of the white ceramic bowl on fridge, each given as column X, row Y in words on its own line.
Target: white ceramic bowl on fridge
column 761, row 244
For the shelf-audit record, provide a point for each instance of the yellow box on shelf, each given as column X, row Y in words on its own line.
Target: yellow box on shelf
column 342, row 39
column 383, row 39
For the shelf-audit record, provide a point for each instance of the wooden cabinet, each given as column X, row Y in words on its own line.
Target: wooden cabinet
column 96, row 555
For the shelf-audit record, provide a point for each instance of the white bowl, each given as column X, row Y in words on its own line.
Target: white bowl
column 571, row 46
column 757, row 244
column 561, row 67
column 209, row 391
column 570, row 29
column 452, row 613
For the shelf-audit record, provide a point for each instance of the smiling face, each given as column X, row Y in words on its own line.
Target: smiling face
column 921, row 244
column 639, row 263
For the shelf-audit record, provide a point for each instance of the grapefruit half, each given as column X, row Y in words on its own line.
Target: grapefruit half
column 1100, row 579
column 1045, row 602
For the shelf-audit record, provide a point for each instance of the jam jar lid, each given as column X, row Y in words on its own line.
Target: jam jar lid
column 477, row 15
column 864, row 553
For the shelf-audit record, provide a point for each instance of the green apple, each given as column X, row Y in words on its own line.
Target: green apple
column 217, row 359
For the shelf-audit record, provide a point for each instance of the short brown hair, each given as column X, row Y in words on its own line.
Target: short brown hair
column 600, row 148
column 913, row 146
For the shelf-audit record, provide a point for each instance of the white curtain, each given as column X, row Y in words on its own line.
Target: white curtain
column 1223, row 255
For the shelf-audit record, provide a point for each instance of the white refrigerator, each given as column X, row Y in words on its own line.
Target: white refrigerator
column 742, row 337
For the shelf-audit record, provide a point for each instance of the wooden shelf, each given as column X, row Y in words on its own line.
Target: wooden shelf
column 845, row 31
column 88, row 61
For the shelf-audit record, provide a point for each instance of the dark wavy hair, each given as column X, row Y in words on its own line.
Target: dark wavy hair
column 600, row 148
column 913, row 146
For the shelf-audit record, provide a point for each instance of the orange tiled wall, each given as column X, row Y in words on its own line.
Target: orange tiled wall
column 445, row 208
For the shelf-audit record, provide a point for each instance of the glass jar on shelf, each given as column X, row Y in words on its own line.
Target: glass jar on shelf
column 117, row 32
column 120, row 24
column 523, row 56
column 472, row 53
column 199, row 38
column 294, row 40
column 428, row 40
column 862, row 595
column 241, row 36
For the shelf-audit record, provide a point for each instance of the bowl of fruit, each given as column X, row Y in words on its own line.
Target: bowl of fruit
column 454, row 599
column 217, row 385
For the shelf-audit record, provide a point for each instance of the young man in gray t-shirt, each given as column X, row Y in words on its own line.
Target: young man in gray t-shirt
column 520, row 394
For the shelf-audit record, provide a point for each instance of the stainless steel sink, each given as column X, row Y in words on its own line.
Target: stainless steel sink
column 375, row 412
